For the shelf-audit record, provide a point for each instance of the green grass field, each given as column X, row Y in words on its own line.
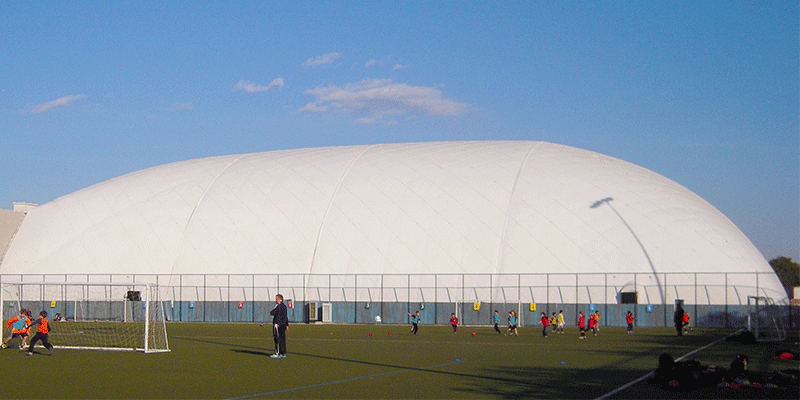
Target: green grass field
column 223, row 361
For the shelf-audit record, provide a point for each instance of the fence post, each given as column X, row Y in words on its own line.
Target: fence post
column 695, row 298
column 757, row 276
column 463, row 283
column 636, row 306
column 605, row 295
column 577, row 307
column 726, row 300
column 665, row 301
column 436, row 299
column 355, row 299
column 519, row 298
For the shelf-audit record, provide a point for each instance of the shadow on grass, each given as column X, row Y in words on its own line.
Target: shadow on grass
column 560, row 380
column 552, row 383
column 252, row 352
column 499, row 379
column 427, row 369
column 511, row 382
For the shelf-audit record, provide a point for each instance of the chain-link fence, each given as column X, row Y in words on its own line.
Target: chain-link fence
column 713, row 299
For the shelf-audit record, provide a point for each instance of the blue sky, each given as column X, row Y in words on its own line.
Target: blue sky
column 704, row 93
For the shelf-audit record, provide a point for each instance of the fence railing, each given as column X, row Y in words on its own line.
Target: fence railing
column 714, row 299
column 702, row 288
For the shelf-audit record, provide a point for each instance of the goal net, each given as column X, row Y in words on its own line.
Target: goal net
column 92, row 316
column 762, row 319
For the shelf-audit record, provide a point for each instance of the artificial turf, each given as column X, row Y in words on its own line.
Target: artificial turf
column 224, row 361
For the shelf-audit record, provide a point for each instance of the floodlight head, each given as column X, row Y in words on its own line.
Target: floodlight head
column 598, row 203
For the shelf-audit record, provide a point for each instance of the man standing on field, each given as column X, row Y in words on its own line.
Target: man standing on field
column 280, row 322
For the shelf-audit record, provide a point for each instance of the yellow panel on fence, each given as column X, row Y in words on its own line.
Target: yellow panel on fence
column 533, row 306
column 476, row 305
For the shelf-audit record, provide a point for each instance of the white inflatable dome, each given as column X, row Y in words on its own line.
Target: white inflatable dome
column 481, row 207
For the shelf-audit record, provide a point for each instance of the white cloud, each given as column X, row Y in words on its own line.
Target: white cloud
column 372, row 99
column 60, row 102
column 184, row 106
column 250, row 87
column 373, row 63
column 311, row 107
column 365, row 121
column 322, row 60
column 398, row 67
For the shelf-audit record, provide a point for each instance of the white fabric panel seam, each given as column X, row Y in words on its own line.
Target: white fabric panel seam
column 194, row 209
column 501, row 247
column 330, row 204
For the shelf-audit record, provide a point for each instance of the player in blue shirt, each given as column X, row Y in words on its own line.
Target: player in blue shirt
column 415, row 318
column 512, row 323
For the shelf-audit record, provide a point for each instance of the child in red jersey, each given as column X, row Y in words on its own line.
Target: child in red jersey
column 454, row 322
column 582, row 324
column 545, row 324
column 629, row 320
column 593, row 324
column 686, row 322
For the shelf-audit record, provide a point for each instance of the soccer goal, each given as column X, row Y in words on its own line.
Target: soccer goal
column 93, row 316
column 761, row 319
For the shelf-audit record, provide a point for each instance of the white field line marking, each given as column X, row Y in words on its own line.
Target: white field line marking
column 629, row 384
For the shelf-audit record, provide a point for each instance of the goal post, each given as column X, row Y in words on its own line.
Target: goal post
column 93, row 316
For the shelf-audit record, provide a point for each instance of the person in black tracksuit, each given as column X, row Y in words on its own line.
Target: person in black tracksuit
column 280, row 323
column 678, row 319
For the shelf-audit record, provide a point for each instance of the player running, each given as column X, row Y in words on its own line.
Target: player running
column 17, row 325
column 42, row 334
column 415, row 318
column 512, row 323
